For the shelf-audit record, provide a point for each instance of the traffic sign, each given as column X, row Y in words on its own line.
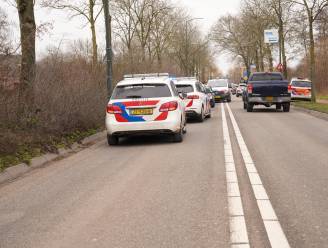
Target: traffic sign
column 271, row 36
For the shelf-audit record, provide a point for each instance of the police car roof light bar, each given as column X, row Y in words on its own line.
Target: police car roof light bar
column 149, row 75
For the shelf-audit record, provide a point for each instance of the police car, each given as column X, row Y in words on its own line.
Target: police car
column 197, row 102
column 301, row 89
column 145, row 104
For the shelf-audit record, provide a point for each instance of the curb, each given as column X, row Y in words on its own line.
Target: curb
column 320, row 115
column 19, row 170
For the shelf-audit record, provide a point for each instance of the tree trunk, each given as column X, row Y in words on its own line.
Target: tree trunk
column 257, row 61
column 93, row 33
column 27, row 74
column 312, row 59
column 247, row 65
column 261, row 57
column 270, row 58
column 283, row 50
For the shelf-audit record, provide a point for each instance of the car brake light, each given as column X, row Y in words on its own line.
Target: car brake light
column 193, row 97
column 112, row 109
column 169, row 106
column 249, row 88
column 290, row 89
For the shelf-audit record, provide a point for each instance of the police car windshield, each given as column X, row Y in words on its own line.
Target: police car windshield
column 141, row 91
column 304, row 84
column 186, row 88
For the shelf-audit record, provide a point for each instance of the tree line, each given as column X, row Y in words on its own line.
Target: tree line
column 148, row 36
column 302, row 27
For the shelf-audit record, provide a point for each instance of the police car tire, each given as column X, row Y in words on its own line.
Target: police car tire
column 209, row 114
column 178, row 137
column 184, row 129
column 112, row 140
column 201, row 116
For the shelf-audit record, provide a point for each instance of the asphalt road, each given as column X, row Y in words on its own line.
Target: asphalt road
column 149, row 192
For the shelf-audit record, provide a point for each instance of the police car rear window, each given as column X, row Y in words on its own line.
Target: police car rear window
column 301, row 84
column 186, row 88
column 141, row 91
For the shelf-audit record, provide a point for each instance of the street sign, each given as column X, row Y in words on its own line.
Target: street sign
column 271, row 36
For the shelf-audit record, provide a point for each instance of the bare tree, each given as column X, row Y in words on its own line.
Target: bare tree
column 282, row 10
column 124, row 25
column 313, row 10
column 146, row 12
column 5, row 42
column 88, row 9
column 230, row 35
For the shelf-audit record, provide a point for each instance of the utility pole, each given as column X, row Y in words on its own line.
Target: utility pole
column 109, row 53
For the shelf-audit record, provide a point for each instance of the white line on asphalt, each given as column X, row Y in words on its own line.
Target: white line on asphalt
column 273, row 228
column 238, row 230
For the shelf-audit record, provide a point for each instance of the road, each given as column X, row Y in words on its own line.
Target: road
column 149, row 192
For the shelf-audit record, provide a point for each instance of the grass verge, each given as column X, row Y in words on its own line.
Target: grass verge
column 320, row 107
column 26, row 151
column 323, row 97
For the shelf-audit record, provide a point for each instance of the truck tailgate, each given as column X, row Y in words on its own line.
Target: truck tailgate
column 272, row 88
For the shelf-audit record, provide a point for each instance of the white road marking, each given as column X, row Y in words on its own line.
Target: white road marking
column 273, row 228
column 238, row 229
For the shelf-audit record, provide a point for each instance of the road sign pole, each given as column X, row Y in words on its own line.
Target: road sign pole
column 108, row 30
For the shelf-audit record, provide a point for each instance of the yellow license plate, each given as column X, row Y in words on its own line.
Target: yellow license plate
column 141, row 111
column 269, row 98
column 218, row 97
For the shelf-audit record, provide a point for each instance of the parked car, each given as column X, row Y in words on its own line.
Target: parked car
column 221, row 89
column 267, row 88
column 145, row 104
column 211, row 95
column 301, row 89
column 240, row 89
column 197, row 102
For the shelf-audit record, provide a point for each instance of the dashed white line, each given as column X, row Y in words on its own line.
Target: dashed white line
column 272, row 225
column 238, row 229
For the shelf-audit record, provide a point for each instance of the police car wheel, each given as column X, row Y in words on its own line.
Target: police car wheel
column 201, row 116
column 112, row 140
column 178, row 137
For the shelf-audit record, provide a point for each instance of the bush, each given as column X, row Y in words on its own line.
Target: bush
column 70, row 97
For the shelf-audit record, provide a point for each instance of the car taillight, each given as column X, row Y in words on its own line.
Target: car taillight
column 169, row 106
column 193, row 97
column 112, row 109
column 249, row 88
column 290, row 89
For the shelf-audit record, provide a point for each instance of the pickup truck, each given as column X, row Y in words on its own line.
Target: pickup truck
column 267, row 88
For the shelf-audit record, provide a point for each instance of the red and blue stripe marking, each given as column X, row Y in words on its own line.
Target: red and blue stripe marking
column 125, row 117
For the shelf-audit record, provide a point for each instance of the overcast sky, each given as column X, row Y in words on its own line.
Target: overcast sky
column 64, row 30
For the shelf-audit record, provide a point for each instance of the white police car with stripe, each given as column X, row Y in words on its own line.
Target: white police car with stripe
column 145, row 104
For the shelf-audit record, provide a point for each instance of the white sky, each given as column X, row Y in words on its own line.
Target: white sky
column 65, row 30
